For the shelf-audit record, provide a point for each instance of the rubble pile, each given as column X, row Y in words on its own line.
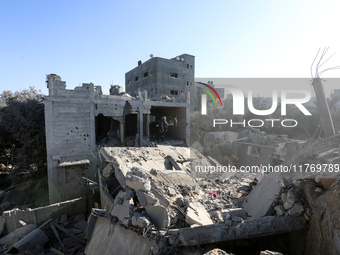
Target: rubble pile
column 65, row 235
column 168, row 199
column 291, row 200
column 231, row 148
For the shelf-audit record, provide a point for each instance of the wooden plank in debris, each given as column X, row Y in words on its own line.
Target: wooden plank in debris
column 57, row 235
column 69, row 234
column 55, row 251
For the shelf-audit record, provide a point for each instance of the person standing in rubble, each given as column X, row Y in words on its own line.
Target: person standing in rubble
column 164, row 127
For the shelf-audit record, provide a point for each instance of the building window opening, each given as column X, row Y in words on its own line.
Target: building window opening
column 129, row 82
column 107, row 130
column 174, row 92
column 174, row 75
column 253, row 151
column 151, row 73
column 136, row 78
column 187, row 65
column 146, row 74
column 187, row 83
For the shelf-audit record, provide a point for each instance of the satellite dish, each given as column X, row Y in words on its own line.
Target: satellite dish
column 151, row 55
column 182, row 59
column 178, row 58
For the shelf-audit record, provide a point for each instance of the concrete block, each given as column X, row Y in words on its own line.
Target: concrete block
column 137, row 183
column 158, row 215
column 172, row 192
column 196, row 214
column 143, row 222
column 296, row 210
column 240, row 212
column 290, row 199
column 124, row 210
column 145, row 198
column 279, row 210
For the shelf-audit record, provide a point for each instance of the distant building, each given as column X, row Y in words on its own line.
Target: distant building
column 160, row 77
column 335, row 96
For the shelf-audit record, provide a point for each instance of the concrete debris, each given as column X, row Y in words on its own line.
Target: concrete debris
column 172, row 192
column 250, row 228
column 196, row 214
column 31, row 241
column 136, row 182
column 158, row 216
column 146, row 198
column 289, row 199
column 280, row 210
column 50, row 236
column 216, row 252
column 267, row 252
column 138, row 220
column 122, row 209
column 296, row 210
column 9, row 240
column 260, row 202
column 249, row 147
column 235, row 212
column 81, row 225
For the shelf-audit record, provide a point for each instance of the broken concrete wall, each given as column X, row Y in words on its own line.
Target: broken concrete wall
column 71, row 118
column 250, row 154
column 40, row 215
column 109, row 237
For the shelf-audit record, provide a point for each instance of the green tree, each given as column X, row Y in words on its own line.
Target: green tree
column 22, row 133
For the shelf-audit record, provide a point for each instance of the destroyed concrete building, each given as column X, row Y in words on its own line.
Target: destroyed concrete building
column 143, row 196
column 78, row 120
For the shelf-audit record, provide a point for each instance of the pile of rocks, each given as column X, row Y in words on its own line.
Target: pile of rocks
column 291, row 201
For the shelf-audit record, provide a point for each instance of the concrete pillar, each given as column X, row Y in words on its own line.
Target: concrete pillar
column 187, row 116
column 148, row 125
column 141, row 124
column 322, row 104
column 121, row 132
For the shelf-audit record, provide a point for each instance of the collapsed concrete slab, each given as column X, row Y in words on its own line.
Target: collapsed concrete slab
column 197, row 215
column 260, row 201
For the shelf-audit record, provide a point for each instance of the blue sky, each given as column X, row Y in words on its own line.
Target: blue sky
column 98, row 41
